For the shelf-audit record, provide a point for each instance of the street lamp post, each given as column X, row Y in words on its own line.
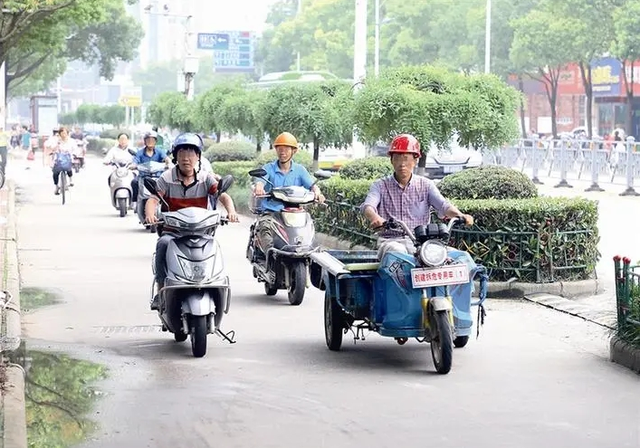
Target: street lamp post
column 487, row 39
column 359, row 63
column 376, row 53
column 298, row 55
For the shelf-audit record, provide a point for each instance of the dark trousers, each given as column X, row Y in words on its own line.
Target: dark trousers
column 56, row 175
column 161, row 257
column 3, row 158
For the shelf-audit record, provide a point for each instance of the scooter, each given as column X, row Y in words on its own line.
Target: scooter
column 284, row 266
column 196, row 294
column 78, row 155
column 149, row 170
column 120, row 186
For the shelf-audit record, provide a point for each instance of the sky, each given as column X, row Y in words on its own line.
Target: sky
column 217, row 15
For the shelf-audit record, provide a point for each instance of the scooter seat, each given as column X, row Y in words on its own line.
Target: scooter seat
column 355, row 267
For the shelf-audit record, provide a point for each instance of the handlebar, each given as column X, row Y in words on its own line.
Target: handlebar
column 396, row 224
column 223, row 221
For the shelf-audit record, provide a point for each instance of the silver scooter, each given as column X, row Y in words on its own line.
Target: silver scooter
column 196, row 293
column 148, row 170
column 120, row 186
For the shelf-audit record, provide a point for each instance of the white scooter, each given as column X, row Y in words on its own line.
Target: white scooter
column 148, row 170
column 120, row 186
column 196, row 292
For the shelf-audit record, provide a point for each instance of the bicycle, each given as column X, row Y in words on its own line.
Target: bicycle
column 62, row 164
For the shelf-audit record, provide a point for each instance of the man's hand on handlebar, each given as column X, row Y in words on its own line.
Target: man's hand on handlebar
column 377, row 222
column 151, row 219
column 233, row 217
column 258, row 189
column 468, row 219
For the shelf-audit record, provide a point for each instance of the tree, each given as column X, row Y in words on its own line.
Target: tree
column 209, row 104
column 317, row 113
column 435, row 105
column 172, row 109
column 541, row 40
column 241, row 113
column 271, row 57
column 93, row 31
column 626, row 47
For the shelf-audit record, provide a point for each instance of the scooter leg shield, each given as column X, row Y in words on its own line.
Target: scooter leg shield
column 122, row 193
column 440, row 304
column 198, row 304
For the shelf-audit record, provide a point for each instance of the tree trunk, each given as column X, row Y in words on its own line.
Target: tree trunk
column 551, row 88
column 523, row 124
column 585, row 72
column 628, row 85
column 218, row 132
column 316, row 153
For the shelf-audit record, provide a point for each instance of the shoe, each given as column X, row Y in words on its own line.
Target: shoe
column 57, row 192
column 155, row 303
column 71, row 184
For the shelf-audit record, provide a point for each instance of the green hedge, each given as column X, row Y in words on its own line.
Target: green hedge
column 113, row 133
column 238, row 170
column 368, row 168
column 233, row 150
column 533, row 240
column 488, row 182
column 100, row 144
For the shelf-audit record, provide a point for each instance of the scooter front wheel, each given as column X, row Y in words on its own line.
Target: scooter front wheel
column 199, row 336
column 441, row 342
column 297, row 283
column 122, row 207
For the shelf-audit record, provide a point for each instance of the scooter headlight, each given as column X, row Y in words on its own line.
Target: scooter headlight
column 433, row 253
column 196, row 271
column 122, row 172
column 294, row 219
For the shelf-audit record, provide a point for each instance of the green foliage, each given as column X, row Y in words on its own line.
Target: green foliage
column 100, row 144
column 238, row 169
column 533, row 240
column 172, row 109
column 114, row 133
column 113, row 115
column 301, row 157
column 230, row 151
column 369, row 168
column 59, row 395
column 488, row 182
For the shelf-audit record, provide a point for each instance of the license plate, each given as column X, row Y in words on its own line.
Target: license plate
column 452, row 169
column 455, row 274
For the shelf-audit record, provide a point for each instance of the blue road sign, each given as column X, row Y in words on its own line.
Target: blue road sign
column 238, row 53
column 213, row 41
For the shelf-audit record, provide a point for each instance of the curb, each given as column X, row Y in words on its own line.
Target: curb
column 497, row 290
column 15, row 432
column 625, row 354
column 606, row 319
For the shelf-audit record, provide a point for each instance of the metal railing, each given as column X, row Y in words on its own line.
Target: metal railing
column 627, row 299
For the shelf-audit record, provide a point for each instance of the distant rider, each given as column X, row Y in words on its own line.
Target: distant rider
column 282, row 172
column 63, row 157
column 406, row 197
column 185, row 185
column 148, row 153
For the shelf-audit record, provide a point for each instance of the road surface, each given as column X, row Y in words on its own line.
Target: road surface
column 534, row 378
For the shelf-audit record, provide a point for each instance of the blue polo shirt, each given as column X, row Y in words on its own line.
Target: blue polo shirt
column 298, row 176
column 158, row 156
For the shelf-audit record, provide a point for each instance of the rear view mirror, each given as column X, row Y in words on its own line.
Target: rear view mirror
column 150, row 184
column 259, row 172
column 132, row 152
column 322, row 174
column 225, row 183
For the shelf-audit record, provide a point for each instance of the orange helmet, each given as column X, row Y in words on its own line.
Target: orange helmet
column 286, row 139
column 405, row 144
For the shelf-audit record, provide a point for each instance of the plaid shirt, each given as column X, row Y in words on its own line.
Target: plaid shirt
column 411, row 204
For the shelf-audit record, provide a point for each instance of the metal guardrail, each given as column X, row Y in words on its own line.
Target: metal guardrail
column 627, row 299
column 603, row 163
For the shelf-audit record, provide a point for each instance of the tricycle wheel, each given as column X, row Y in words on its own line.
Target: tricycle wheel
column 334, row 323
column 270, row 290
column 460, row 341
column 441, row 342
column 297, row 283
column 401, row 341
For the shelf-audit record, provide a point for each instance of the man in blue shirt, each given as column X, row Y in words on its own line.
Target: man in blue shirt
column 149, row 153
column 282, row 172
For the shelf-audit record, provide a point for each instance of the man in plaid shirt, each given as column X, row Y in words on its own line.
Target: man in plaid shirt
column 405, row 197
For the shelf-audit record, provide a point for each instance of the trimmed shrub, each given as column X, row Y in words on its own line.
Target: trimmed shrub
column 488, row 182
column 100, row 144
column 302, row 157
column 533, row 240
column 240, row 196
column 238, row 170
column 230, row 151
column 368, row 168
column 208, row 142
column 113, row 133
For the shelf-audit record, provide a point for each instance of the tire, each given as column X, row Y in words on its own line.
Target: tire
column 2, row 178
column 63, row 186
column 460, row 341
column 122, row 207
column 199, row 336
column 180, row 337
column 297, row 283
column 334, row 323
column 270, row 290
column 442, row 342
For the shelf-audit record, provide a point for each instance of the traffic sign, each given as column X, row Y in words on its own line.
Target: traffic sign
column 234, row 55
column 131, row 101
column 213, row 41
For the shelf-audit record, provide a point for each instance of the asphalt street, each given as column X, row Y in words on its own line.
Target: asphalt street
column 534, row 378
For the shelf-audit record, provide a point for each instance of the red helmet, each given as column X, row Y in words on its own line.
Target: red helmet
column 405, row 143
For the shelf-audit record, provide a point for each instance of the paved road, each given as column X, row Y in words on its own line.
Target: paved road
column 534, row 378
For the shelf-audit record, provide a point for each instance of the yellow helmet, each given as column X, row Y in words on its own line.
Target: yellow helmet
column 286, row 139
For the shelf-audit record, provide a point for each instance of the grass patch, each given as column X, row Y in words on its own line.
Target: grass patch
column 33, row 298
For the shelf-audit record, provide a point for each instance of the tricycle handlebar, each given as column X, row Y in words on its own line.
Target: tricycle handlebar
column 396, row 224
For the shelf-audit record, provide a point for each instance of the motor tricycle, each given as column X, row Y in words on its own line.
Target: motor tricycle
column 424, row 295
column 284, row 265
column 148, row 170
column 196, row 292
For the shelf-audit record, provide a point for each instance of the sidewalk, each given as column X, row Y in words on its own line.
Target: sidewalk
column 14, row 432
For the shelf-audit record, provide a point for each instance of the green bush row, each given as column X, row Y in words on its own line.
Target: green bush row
column 100, row 144
column 534, row 240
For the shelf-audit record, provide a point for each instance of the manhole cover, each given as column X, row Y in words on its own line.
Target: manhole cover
column 129, row 330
